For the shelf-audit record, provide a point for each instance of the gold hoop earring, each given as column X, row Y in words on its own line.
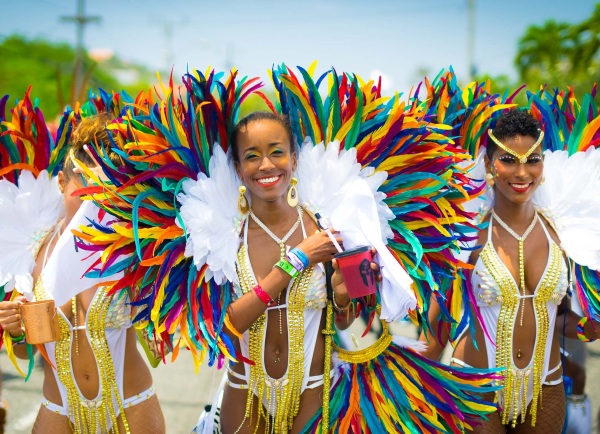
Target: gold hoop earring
column 543, row 179
column 489, row 179
column 292, row 196
column 243, row 205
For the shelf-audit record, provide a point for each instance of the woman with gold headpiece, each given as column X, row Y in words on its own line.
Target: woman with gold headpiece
column 521, row 276
column 95, row 380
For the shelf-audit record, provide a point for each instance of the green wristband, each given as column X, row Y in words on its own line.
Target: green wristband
column 16, row 339
column 287, row 267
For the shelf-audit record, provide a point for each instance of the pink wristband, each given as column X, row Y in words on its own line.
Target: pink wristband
column 262, row 295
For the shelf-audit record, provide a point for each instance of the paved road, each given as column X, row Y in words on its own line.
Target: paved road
column 181, row 392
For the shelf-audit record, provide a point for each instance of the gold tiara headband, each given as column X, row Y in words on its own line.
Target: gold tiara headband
column 521, row 157
column 73, row 159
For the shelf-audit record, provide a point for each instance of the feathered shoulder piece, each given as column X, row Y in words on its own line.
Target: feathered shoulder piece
column 172, row 278
column 387, row 151
column 28, row 142
column 31, row 154
column 385, row 176
column 30, row 201
column 569, row 197
column 468, row 111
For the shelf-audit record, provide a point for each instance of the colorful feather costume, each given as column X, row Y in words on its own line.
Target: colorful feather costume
column 180, row 259
column 467, row 112
column 569, row 198
column 31, row 155
column 31, row 203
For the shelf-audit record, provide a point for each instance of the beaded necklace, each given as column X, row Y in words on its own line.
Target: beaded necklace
column 515, row 380
column 281, row 242
column 521, row 239
column 275, row 238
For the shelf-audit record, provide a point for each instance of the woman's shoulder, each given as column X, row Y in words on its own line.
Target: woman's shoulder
column 482, row 238
column 550, row 227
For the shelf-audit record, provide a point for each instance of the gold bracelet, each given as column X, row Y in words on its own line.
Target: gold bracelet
column 341, row 309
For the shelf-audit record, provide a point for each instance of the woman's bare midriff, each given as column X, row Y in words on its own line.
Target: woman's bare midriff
column 136, row 374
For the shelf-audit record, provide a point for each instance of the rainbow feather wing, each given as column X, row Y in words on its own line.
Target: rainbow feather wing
column 568, row 124
column 165, row 144
column 27, row 141
column 467, row 113
column 573, row 127
column 426, row 184
column 425, row 189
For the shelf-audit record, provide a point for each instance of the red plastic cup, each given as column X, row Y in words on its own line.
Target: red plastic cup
column 355, row 266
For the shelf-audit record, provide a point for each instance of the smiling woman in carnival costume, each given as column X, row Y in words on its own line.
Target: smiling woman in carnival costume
column 95, row 380
column 539, row 238
column 225, row 249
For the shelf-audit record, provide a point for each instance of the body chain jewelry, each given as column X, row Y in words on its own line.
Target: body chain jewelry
column 521, row 240
column 281, row 242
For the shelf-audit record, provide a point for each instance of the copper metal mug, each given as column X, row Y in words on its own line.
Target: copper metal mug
column 40, row 319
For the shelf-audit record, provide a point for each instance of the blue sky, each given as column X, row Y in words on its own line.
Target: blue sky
column 399, row 39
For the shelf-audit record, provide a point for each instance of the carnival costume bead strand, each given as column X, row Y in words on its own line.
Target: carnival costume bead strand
column 281, row 243
column 521, row 239
column 516, row 380
column 328, row 333
column 283, row 395
column 76, row 323
column 521, row 158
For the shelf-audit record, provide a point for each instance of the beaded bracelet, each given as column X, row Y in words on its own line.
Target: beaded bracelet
column 17, row 339
column 300, row 255
column 287, row 267
column 262, row 295
column 581, row 330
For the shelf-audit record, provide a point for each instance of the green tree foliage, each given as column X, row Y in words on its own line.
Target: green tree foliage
column 559, row 54
column 48, row 68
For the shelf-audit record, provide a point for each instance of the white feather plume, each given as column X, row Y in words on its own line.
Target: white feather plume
column 212, row 220
column 570, row 197
column 413, row 344
column 479, row 205
column 324, row 175
column 27, row 213
column 333, row 184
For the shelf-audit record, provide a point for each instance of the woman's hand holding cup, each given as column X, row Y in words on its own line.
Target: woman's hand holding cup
column 10, row 316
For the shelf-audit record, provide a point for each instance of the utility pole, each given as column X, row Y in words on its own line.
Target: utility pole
column 471, row 41
column 80, row 20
